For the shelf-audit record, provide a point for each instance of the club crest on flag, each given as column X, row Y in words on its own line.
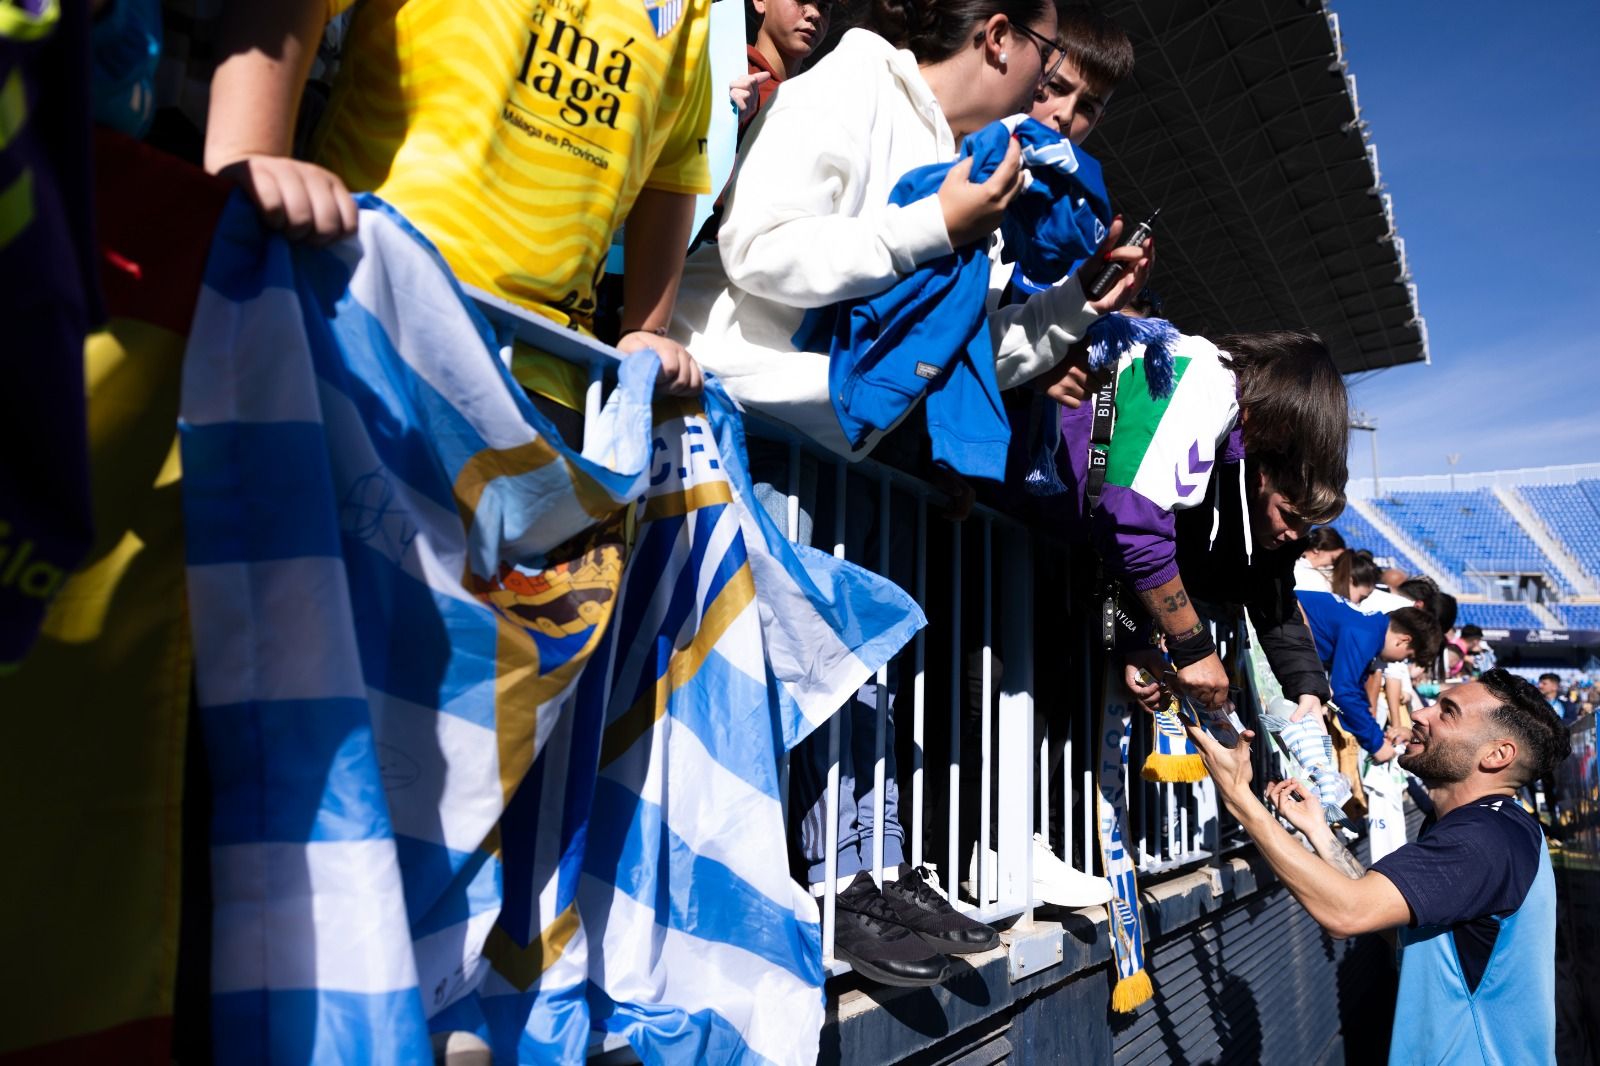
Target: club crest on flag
column 568, row 596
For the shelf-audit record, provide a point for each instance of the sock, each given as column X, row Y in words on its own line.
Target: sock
column 839, row 885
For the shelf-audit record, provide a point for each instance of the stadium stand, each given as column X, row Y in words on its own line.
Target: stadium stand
column 1469, row 532
column 1360, row 533
column 1577, row 615
column 1499, row 616
column 1572, row 514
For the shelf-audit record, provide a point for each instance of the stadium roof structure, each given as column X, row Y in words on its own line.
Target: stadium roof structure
column 1242, row 124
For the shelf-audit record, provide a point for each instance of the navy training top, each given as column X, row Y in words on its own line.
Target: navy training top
column 1477, row 964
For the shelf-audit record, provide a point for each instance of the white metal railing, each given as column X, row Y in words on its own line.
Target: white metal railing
column 977, row 582
column 986, row 565
column 996, row 815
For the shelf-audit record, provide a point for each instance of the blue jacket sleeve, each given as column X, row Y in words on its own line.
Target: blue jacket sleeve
column 1350, row 659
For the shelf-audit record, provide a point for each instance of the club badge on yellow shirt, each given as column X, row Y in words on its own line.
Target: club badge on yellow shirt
column 664, row 15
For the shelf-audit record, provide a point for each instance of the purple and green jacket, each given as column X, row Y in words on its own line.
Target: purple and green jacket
column 1162, row 456
column 1172, row 503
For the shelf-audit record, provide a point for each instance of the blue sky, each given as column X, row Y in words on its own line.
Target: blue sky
column 1487, row 122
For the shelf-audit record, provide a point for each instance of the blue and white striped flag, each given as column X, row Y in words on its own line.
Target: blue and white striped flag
column 478, row 761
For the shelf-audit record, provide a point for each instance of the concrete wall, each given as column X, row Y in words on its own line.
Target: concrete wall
column 1242, row 975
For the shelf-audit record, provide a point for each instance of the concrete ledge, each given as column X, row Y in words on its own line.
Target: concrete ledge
column 870, row 1023
column 1188, row 898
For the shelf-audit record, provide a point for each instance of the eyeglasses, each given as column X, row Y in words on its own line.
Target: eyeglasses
column 1047, row 48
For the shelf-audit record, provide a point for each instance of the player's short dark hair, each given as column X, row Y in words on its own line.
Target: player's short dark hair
column 1523, row 711
column 1471, row 629
column 1550, row 677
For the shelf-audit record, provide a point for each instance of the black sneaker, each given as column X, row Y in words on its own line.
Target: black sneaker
column 919, row 906
column 867, row 936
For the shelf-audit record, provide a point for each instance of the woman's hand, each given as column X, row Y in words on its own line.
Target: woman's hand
column 305, row 201
column 1137, row 262
column 973, row 210
column 680, row 374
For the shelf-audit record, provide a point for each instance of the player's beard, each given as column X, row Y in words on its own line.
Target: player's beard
column 1441, row 762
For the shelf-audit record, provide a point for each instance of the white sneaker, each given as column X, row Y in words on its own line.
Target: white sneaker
column 991, row 883
column 1054, row 882
column 1057, row 883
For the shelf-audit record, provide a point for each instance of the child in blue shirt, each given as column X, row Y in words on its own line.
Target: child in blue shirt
column 1348, row 641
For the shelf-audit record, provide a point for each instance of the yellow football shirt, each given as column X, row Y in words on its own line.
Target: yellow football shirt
column 516, row 134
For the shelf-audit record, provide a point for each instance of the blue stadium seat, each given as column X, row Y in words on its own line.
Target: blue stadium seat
column 1572, row 514
column 1469, row 532
column 1498, row 616
column 1359, row 533
column 1578, row 615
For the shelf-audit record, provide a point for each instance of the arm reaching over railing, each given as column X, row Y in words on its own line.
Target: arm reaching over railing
column 658, row 220
column 1345, row 906
column 1200, row 675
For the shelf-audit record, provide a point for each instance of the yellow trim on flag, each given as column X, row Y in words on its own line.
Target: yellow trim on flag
column 522, row 966
column 520, row 688
column 736, row 595
column 492, row 463
column 673, row 504
column 596, row 502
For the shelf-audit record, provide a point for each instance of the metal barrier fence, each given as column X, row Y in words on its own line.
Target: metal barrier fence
column 976, row 722
column 986, row 763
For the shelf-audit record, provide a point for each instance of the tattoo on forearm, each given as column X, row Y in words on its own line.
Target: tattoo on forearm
column 1176, row 602
column 1338, row 856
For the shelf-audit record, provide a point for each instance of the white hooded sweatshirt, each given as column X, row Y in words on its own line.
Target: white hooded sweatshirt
column 808, row 223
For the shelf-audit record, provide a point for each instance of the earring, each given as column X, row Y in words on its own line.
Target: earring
column 1003, row 57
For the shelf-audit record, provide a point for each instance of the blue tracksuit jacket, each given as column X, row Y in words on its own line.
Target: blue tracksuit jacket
column 927, row 334
column 1347, row 641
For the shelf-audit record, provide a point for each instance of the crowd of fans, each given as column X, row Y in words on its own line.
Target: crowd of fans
column 585, row 125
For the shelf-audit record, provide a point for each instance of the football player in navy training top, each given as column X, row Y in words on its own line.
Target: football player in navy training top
column 1473, row 899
